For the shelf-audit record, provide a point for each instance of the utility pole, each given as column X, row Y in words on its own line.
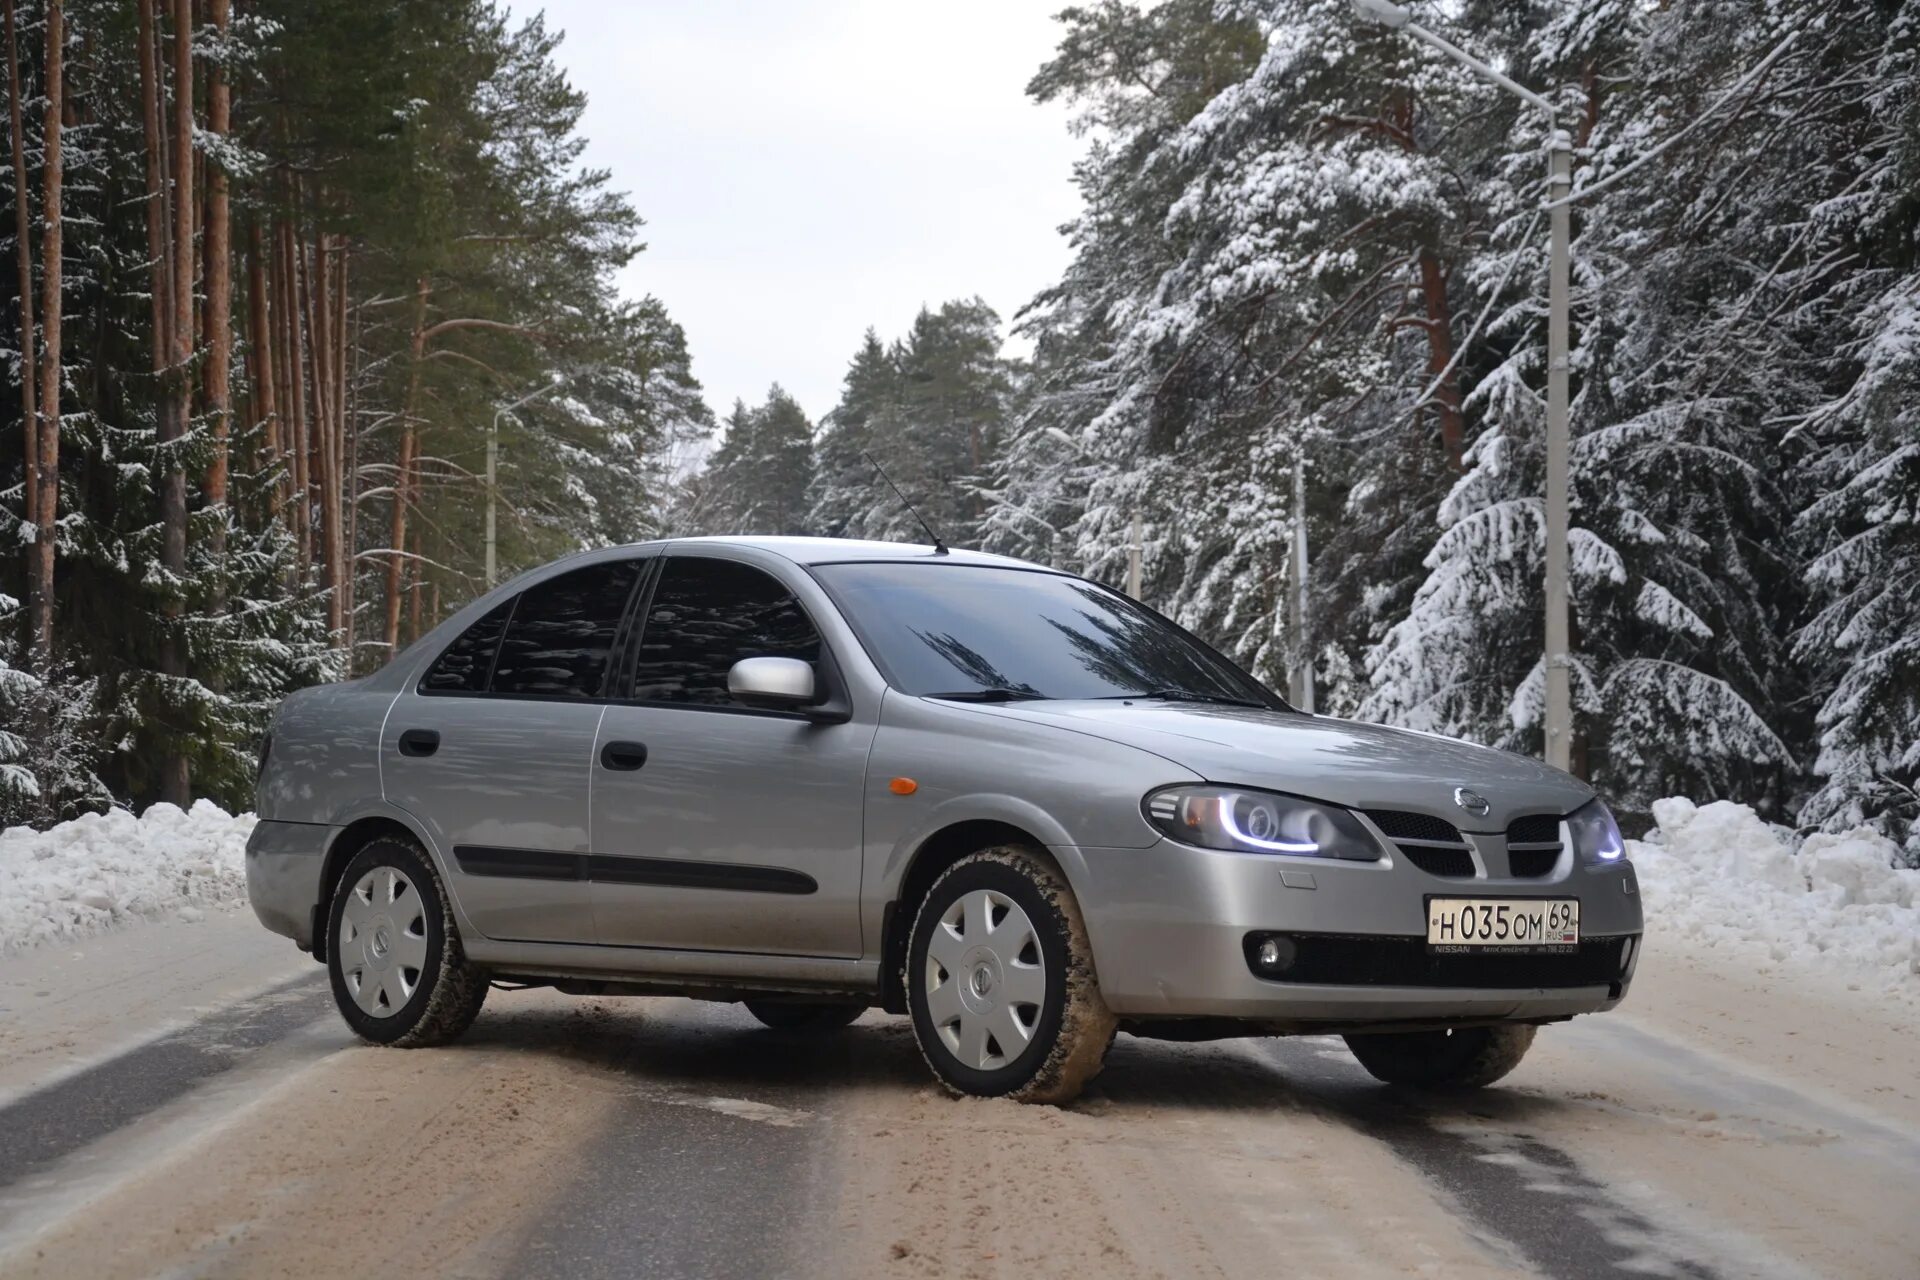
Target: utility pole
column 1559, row 708
column 493, row 461
column 1300, row 664
column 1133, row 558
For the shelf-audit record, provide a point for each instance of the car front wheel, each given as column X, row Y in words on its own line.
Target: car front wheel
column 399, row 974
column 1461, row 1058
column 1000, row 981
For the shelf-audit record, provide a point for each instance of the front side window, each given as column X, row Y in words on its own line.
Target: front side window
column 560, row 637
column 468, row 661
column 707, row 615
column 980, row 629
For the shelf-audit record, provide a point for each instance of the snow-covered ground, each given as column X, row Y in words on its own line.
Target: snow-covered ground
column 106, row 870
column 1715, row 878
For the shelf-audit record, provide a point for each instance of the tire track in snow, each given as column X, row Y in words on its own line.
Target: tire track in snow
column 45, row 1126
column 1514, row 1187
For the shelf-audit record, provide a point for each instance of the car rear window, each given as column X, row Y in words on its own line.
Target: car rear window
column 468, row 661
column 560, row 637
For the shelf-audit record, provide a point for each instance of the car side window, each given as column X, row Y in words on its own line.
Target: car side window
column 707, row 615
column 468, row 661
column 561, row 636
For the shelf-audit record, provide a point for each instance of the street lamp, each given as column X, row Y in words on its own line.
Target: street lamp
column 1559, row 710
column 493, row 457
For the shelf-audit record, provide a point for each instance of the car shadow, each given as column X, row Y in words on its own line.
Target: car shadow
column 712, row 1047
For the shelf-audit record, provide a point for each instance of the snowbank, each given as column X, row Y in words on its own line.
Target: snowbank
column 1717, row 878
column 101, row 871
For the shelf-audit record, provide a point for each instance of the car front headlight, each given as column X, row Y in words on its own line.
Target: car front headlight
column 1596, row 836
column 1248, row 821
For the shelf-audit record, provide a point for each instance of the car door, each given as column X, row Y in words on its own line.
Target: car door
column 491, row 751
column 716, row 826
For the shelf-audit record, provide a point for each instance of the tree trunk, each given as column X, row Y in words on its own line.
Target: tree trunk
column 219, row 286
column 23, row 253
column 183, row 187
column 320, row 311
column 402, row 480
column 1439, row 329
column 47, row 498
column 265, row 404
column 175, row 784
column 302, row 505
column 343, row 452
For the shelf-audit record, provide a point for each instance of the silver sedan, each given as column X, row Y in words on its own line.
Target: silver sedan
column 816, row 776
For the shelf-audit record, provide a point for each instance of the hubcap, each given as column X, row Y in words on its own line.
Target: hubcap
column 985, row 979
column 383, row 941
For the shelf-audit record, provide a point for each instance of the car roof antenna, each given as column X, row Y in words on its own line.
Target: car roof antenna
column 939, row 546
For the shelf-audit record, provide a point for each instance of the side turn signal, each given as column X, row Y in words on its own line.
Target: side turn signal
column 903, row 786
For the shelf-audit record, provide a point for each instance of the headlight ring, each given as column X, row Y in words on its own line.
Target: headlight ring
column 1249, row 820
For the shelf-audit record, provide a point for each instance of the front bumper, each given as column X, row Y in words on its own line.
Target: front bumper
column 284, row 860
column 1170, row 924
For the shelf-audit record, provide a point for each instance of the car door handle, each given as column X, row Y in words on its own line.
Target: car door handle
column 623, row 756
column 419, row 742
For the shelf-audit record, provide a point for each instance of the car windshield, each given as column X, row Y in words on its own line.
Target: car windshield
column 991, row 634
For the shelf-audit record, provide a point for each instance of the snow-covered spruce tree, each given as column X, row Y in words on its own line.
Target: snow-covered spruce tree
column 840, row 498
column 757, row 480
column 931, row 409
column 1282, row 178
column 1680, row 590
column 1081, row 464
column 1859, row 523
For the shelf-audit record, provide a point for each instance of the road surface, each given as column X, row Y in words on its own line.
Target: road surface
column 180, row 1099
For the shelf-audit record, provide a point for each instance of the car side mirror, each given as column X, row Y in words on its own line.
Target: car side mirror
column 772, row 684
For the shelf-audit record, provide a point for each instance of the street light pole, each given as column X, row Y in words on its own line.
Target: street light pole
column 1559, row 708
column 1301, row 662
column 493, row 460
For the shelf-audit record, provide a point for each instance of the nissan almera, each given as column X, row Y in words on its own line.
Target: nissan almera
column 818, row 776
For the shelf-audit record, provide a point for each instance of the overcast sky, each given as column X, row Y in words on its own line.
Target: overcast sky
column 808, row 168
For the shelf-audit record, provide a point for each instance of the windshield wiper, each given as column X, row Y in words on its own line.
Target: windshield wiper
column 990, row 694
column 1188, row 695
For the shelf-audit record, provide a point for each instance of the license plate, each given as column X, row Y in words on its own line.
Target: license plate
column 1492, row 924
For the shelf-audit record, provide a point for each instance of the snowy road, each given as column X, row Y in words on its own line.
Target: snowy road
column 181, row 1099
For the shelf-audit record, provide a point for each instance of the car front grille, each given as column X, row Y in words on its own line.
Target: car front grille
column 1375, row 960
column 1432, row 844
column 1533, row 845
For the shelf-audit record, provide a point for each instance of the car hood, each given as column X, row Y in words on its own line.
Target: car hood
column 1362, row 766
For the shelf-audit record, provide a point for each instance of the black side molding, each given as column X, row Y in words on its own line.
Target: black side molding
column 542, row 864
column 520, row 864
column 735, row 876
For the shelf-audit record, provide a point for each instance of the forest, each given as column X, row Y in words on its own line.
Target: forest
column 279, row 268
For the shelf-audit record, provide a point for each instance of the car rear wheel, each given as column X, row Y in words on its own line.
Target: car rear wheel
column 804, row 1015
column 1000, row 981
column 1462, row 1058
column 399, row 974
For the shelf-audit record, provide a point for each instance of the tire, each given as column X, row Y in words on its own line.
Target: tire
column 402, row 917
column 1461, row 1059
column 804, row 1015
column 1000, row 931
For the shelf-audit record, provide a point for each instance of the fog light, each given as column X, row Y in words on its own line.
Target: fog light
column 1275, row 955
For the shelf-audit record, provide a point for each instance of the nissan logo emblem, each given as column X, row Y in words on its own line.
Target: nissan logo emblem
column 1472, row 801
